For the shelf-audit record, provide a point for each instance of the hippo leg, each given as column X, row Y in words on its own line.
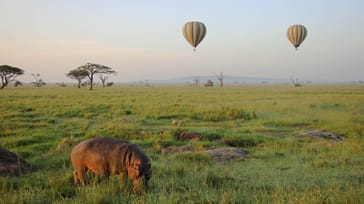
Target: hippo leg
column 78, row 176
column 75, row 177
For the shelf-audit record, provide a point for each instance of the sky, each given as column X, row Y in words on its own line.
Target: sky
column 143, row 40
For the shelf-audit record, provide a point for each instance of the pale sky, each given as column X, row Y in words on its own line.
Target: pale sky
column 142, row 39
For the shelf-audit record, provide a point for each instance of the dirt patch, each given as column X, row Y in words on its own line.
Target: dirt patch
column 12, row 164
column 322, row 134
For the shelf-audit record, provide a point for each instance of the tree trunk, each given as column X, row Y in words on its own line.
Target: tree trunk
column 4, row 82
column 220, row 77
column 91, row 83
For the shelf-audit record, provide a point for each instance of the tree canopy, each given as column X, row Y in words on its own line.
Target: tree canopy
column 78, row 75
column 93, row 69
column 8, row 74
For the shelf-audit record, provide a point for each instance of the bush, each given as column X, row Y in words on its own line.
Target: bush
column 18, row 83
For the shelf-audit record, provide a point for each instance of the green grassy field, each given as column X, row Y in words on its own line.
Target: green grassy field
column 264, row 120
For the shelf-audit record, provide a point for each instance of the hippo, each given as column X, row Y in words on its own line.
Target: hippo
column 109, row 156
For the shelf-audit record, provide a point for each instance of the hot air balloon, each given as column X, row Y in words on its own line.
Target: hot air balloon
column 296, row 34
column 194, row 32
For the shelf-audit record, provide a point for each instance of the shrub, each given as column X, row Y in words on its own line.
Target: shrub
column 18, row 83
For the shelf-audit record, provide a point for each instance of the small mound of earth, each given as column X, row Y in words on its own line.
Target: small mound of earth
column 12, row 164
column 172, row 149
column 322, row 134
column 225, row 154
column 218, row 154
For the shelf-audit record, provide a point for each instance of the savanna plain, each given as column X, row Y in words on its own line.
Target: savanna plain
column 269, row 122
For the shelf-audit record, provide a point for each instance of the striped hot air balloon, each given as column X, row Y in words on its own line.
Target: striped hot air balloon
column 296, row 34
column 194, row 32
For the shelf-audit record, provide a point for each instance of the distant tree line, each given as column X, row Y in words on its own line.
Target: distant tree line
column 87, row 72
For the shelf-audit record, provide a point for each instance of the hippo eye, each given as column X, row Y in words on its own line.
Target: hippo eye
column 136, row 166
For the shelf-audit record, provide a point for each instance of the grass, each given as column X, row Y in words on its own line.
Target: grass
column 265, row 119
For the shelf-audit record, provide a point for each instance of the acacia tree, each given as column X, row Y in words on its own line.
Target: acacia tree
column 220, row 77
column 8, row 74
column 78, row 75
column 196, row 81
column 296, row 82
column 93, row 69
column 38, row 81
column 209, row 83
column 103, row 79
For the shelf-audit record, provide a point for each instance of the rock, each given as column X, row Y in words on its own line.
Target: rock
column 322, row 134
column 12, row 164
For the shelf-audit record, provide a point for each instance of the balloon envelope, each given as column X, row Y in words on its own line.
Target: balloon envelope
column 194, row 32
column 296, row 34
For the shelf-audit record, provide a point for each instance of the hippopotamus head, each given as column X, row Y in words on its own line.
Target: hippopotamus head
column 139, row 171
